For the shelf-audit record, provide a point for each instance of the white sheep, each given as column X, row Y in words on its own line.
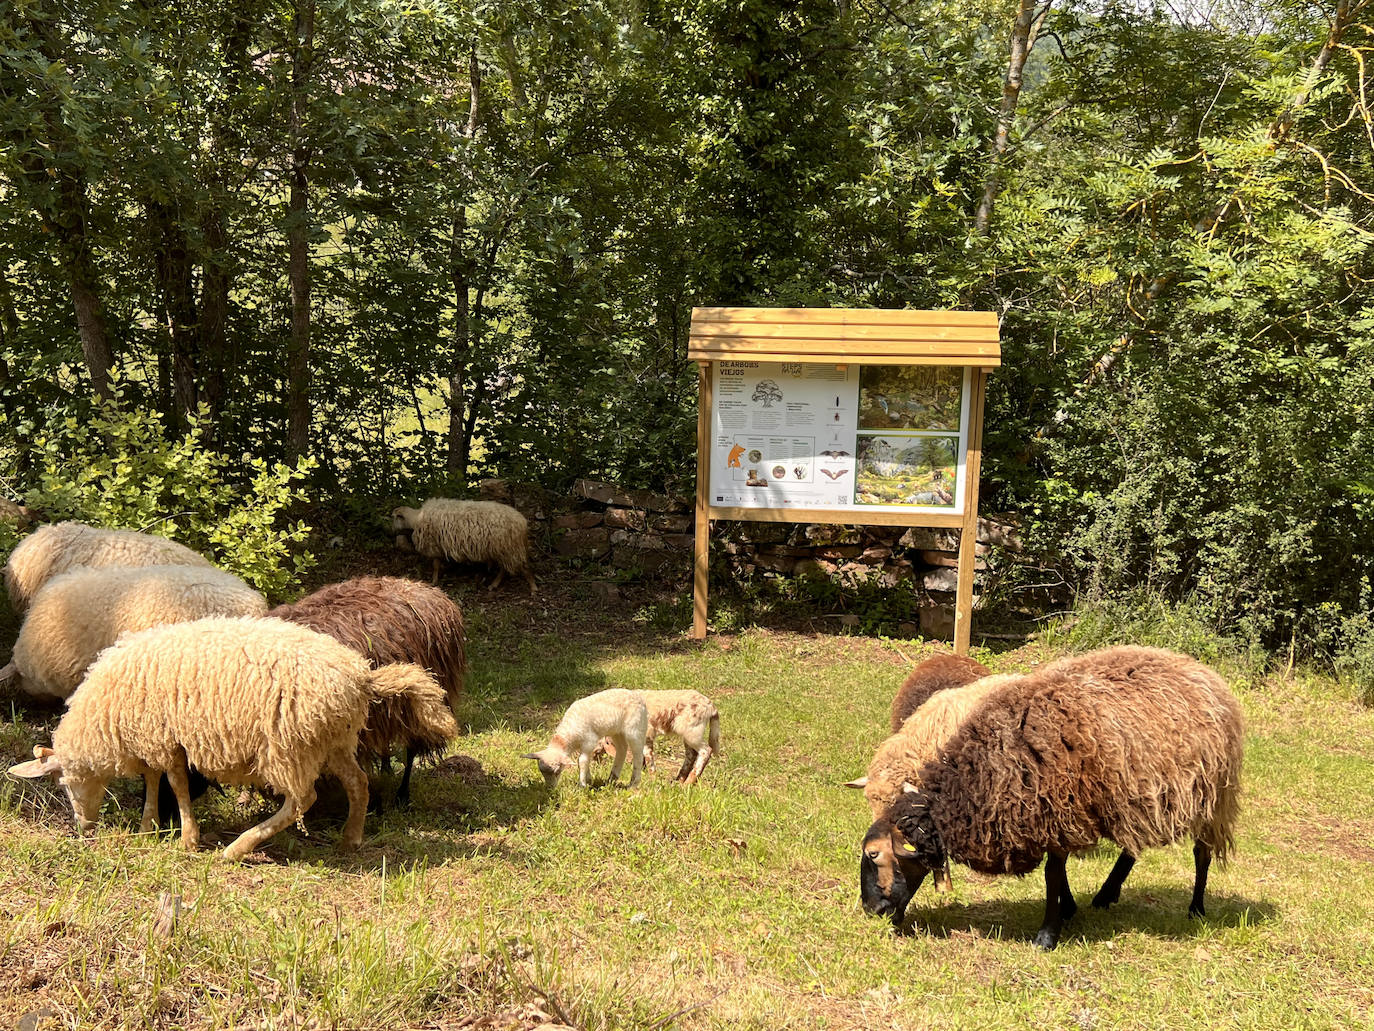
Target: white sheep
column 688, row 714
column 58, row 547
column 247, row 701
column 468, row 531
column 78, row 614
column 615, row 713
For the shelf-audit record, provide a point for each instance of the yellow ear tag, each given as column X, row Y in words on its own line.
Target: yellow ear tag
column 909, row 848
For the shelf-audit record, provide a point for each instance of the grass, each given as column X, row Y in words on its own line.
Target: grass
column 492, row 903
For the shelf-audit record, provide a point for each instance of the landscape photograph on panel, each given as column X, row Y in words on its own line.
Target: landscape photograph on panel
column 910, row 397
column 907, row 469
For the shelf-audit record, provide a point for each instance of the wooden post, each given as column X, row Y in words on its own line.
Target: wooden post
column 702, row 557
column 968, row 533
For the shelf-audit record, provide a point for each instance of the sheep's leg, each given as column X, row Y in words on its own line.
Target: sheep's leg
column 636, row 747
column 649, row 762
column 1059, row 904
column 703, row 756
column 403, row 792
column 152, row 781
column 344, row 765
column 278, row 821
column 689, row 758
column 584, row 769
column 621, row 750
column 1202, row 861
column 500, row 575
column 190, row 830
column 1111, row 887
column 435, row 578
column 529, row 576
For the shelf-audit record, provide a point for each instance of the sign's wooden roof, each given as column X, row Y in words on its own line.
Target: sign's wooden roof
column 874, row 336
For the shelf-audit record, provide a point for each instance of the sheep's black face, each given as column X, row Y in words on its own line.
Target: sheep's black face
column 888, row 872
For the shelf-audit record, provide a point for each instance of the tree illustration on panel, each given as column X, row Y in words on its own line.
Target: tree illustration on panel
column 766, row 393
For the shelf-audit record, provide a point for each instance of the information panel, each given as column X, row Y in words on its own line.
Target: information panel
column 882, row 438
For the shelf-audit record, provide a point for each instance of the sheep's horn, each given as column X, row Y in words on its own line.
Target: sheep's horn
column 909, row 789
column 8, row 671
column 862, row 782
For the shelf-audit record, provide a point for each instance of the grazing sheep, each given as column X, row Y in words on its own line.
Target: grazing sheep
column 937, row 673
column 688, row 714
column 1138, row 745
column 250, row 701
column 58, row 547
column 388, row 620
column 78, row 614
column 468, row 531
column 614, row 713
column 920, row 740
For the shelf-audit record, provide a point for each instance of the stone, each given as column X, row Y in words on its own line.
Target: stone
column 630, row 518
column 941, row 580
column 646, row 560
column 937, row 621
column 942, row 559
column 775, row 563
column 876, row 555
column 680, row 541
column 1001, row 531
column 839, row 553
column 671, row 523
column 593, row 543
column 930, row 538
column 830, row 534
column 815, row 567
column 578, row 520
column 624, row 497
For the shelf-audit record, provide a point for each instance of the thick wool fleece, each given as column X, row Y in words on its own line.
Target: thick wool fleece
column 252, row 701
column 469, row 531
column 1138, row 745
column 388, row 619
column 937, row 673
column 76, row 615
column 922, row 738
column 58, row 547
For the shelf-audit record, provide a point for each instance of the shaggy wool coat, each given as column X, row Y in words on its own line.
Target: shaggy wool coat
column 935, row 674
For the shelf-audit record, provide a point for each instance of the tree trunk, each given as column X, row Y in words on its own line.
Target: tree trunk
column 460, row 272
column 1022, row 39
column 175, row 281
column 298, row 239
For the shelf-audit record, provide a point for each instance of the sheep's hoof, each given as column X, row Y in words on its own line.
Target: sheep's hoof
column 1196, row 911
column 1103, row 899
column 1046, row 939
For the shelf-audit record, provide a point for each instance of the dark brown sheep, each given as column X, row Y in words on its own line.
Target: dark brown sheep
column 1137, row 745
column 389, row 619
column 937, row 673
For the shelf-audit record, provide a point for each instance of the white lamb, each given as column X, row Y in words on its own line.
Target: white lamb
column 617, row 714
column 75, row 616
column 247, row 701
column 58, row 547
column 468, row 531
column 692, row 717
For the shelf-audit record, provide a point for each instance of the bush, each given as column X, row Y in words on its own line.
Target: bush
column 119, row 468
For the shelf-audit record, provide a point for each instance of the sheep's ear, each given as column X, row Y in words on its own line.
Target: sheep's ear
column 909, row 788
column 532, row 755
column 862, row 782
column 49, row 765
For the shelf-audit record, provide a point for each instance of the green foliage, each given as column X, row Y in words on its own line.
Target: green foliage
column 120, row 468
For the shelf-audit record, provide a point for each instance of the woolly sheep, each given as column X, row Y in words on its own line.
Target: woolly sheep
column 1138, row 745
column 249, row 701
column 468, row 531
column 389, row 619
column 58, row 547
column 920, row 740
column 935, row 674
column 614, row 713
column 76, row 615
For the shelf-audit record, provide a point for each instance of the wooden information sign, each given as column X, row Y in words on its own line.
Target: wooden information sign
column 842, row 415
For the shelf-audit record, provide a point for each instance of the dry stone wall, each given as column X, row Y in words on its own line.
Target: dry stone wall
column 624, row 528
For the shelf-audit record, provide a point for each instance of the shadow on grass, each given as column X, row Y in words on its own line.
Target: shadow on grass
column 1159, row 912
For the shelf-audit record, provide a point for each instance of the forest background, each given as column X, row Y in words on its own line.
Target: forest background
column 254, row 253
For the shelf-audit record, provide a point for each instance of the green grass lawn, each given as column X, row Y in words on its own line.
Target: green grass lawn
column 492, row 903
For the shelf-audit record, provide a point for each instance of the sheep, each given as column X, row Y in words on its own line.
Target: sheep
column 919, row 741
column 58, row 547
column 468, row 531
column 1138, row 745
column 688, row 714
column 389, row 619
column 251, row 701
column 937, row 673
column 77, row 614
column 615, row 713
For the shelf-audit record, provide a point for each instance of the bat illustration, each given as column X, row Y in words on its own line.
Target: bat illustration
column 834, row 476
column 836, row 454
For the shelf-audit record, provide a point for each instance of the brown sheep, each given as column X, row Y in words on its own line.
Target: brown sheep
column 937, row 673
column 1137, row 745
column 389, row 619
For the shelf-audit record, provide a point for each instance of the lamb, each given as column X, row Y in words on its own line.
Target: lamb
column 935, row 674
column 1138, row 745
column 468, row 531
column 688, row 714
column 78, row 614
column 250, row 701
column 388, row 620
column 919, row 741
column 58, row 547
column 615, row 713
